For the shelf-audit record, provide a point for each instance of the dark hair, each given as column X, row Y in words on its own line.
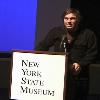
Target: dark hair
column 72, row 10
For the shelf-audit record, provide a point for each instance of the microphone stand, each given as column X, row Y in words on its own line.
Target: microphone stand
column 66, row 46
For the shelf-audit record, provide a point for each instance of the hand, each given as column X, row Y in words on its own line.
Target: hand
column 76, row 68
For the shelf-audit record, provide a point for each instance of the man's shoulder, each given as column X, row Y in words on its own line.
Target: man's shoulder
column 57, row 28
column 88, row 31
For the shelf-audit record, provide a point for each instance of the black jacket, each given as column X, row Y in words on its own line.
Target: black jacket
column 83, row 48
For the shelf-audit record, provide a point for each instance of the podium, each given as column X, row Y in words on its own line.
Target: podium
column 38, row 75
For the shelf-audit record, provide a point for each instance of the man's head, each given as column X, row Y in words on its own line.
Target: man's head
column 71, row 18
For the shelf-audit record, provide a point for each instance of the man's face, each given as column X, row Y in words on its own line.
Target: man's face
column 70, row 21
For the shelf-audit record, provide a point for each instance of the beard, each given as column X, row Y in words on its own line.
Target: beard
column 73, row 29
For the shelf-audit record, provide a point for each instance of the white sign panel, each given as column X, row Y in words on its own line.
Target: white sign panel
column 37, row 76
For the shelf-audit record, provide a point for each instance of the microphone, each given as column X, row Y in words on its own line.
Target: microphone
column 64, row 43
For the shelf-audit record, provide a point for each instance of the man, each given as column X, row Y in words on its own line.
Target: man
column 80, row 43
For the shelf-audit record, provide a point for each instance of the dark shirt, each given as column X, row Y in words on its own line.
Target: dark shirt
column 83, row 48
